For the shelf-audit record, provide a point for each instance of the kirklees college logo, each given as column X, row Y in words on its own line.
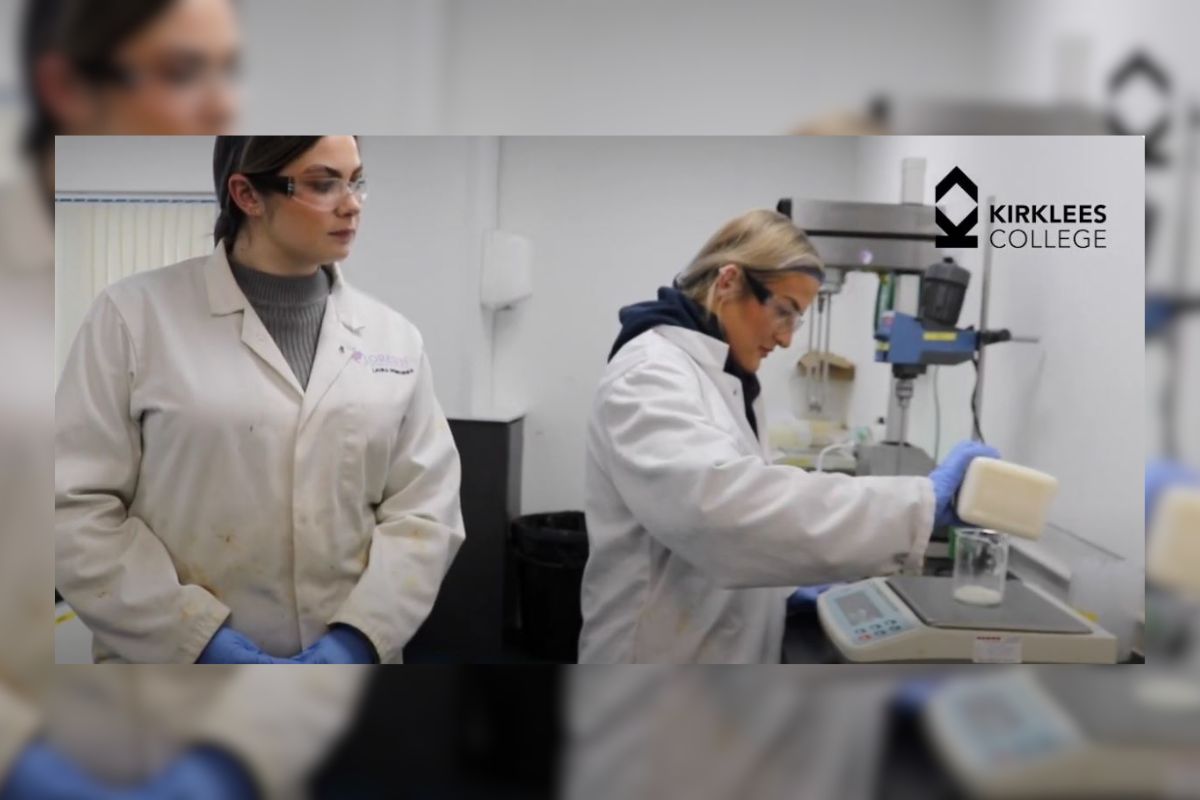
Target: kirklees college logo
column 1037, row 226
column 956, row 234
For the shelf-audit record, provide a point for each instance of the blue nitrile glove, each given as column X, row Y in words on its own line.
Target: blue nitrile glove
column 230, row 647
column 949, row 475
column 806, row 597
column 342, row 645
column 1161, row 311
column 41, row 772
column 1163, row 475
column 913, row 695
column 206, row 773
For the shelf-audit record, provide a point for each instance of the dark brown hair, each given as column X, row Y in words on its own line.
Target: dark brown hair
column 86, row 33
column 249, row 155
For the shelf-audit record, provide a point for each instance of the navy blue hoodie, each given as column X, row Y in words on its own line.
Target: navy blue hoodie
column 673, row 307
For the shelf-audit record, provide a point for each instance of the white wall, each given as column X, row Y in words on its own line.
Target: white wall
column 612, row 219
column 697, row 66
column 1073, row 404
column 360, row 66
column 133, row 164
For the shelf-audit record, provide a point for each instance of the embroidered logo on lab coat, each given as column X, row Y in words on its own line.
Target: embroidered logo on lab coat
column 383, row 362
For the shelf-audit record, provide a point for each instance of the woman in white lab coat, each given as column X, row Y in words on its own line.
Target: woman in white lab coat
column 251, row 465
column 696, row 539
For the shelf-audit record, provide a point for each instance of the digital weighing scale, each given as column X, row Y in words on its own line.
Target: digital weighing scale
column 1079, row 733
column 916, row 618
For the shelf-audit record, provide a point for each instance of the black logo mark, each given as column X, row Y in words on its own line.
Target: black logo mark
column 957, row 234
column 1139, row 69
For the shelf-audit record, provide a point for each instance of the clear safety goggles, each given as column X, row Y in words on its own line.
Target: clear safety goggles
column 325, row 193
column 786, row 317
column 186, row 78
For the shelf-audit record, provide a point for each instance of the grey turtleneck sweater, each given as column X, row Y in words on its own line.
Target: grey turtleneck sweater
column 291, row 309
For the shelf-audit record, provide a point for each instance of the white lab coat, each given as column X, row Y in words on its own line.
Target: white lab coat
column 661, row 732
column 197, row 483
column 696, row 539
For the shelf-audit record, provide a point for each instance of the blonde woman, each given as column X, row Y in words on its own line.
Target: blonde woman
column 696, row 538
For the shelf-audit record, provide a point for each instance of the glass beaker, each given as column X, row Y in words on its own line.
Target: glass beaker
column 980, row 566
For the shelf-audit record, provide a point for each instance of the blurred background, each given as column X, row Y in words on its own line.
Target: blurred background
column 761, row 67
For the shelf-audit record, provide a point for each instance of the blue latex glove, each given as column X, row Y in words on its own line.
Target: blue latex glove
column 1160, row 312
column 342, row 645
column 230, row 647
column 206, row 773
column 806, row 597
column 40, row 772
column 913, row 695
column 949, row 475
column 1163, row 475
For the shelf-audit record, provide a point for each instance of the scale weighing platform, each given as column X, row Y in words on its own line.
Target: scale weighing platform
column 916, row 618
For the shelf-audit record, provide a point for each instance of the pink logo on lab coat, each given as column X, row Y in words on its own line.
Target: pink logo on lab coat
column 383, row 362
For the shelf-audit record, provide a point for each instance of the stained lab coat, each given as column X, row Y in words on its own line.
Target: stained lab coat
column 197, row 483
column 696, row 539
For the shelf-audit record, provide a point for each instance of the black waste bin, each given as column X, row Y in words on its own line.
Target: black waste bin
column 550, row 551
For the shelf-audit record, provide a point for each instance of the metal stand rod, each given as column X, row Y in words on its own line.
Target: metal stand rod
column 825, row 353
column 904, row 393
column 977, row 398
column 810, row 384
column 1169, row 395
column 816, row 404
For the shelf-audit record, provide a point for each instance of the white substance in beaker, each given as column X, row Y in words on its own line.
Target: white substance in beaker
column 978, row 596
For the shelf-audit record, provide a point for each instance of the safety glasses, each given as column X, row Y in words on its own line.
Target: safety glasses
column 324, row 193
column 188, row 76
column 785, row 316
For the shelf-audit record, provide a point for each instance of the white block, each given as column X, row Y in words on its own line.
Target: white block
column 1006, row 497
column 1174, row 557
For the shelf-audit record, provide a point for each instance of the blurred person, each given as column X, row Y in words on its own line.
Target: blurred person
column 693, row 533
column 130, row 67
column 90, row 733
column 167, row 732
column 1163, row 475
column 662, row 732
column 250, row 462
column 26, row 470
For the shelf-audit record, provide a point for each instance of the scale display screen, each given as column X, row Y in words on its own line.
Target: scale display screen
column 990, row 714
column 857, row 608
